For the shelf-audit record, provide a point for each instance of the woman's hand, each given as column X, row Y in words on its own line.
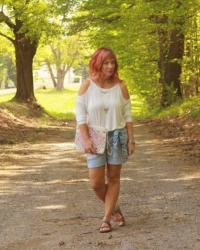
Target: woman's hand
column 131, row 148
column 89, row 147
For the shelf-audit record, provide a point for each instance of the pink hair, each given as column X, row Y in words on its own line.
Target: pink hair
column 96, row 63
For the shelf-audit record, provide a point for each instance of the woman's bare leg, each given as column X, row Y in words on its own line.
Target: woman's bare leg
column 106, row 187
column 97, row 181
column 112, row 191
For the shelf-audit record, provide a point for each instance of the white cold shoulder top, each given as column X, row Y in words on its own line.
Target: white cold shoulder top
column 103, row 107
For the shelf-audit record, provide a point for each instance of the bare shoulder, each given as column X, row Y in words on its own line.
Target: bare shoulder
column 124, row 90
column 84, row 86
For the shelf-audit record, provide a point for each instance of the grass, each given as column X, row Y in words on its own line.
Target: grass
column 61, row 105
column 6, row 98
column 189, row 107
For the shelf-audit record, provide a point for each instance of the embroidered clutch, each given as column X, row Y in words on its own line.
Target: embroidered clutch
column 97, row 136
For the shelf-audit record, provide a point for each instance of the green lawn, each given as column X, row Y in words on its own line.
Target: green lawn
column 61, row 105
column 58, row 104
column 5, row 98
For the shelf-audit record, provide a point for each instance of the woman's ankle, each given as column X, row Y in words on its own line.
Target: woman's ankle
column 107, row 217
column 116, row 208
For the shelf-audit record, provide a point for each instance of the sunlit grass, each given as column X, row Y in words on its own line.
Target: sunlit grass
column 61, row 104
column 188, row 107
column 6, row 98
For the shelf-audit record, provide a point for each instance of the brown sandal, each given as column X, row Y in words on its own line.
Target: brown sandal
column 105, row 228
column 118, row 217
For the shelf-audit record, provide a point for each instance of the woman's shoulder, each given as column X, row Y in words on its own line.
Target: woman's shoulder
column 84, row 87
column 124, row 90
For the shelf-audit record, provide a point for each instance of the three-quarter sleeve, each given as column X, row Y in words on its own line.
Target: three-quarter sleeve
column 127, row 110
column 81, row 109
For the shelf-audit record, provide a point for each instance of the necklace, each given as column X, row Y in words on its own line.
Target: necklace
column 106, row 84
column 105, row 100
column 104, row 91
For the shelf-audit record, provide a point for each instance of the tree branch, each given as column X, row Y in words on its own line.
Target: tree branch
column 9, row 38
column 105, row 19
column 66, row 69
column 131, row 5
column 51, row 73
column 6, row 19
column 54, row 51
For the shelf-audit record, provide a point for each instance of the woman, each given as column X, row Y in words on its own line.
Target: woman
column 103, row 100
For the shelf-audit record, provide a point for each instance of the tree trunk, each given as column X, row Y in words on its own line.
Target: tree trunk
column 6, row 81
column 171, row 50
column 174, row 59
column 163, row 41
column 25, row 50
column 60, row 79
column 51, row 74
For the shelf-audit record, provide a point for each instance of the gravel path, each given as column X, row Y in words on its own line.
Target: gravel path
column 46, row 202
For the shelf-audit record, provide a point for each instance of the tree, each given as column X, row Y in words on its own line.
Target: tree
column 60, row 55
column 7, row 65
column 191, row 59
column 147, row 35
column 27, row 23
column 171, row 49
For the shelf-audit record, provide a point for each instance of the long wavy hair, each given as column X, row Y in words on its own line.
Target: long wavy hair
column 96, row 63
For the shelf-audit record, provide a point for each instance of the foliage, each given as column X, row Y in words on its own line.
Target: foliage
column 7, row 62
column 25, row 24
column 189, row 107
column 130, row 29
column 39, row 18
column 191, row 62
column 62, row 54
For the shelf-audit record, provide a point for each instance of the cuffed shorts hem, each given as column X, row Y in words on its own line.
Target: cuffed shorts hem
column 115, row 162
column 95, row 161
column 99, row 160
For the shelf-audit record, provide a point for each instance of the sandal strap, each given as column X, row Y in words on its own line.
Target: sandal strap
column 121, row 220
column 105, row 228
column 107, row 222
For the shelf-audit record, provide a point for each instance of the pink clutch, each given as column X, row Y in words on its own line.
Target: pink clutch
column 97, row 136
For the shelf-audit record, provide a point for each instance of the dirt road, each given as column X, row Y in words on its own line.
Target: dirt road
column 46, row 202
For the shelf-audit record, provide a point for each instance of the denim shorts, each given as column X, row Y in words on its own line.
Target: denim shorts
column 116, row 150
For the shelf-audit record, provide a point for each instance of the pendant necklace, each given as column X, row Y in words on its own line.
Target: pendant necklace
column 105, row 108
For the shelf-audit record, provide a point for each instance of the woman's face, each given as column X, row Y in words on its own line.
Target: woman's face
column 108, row 67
